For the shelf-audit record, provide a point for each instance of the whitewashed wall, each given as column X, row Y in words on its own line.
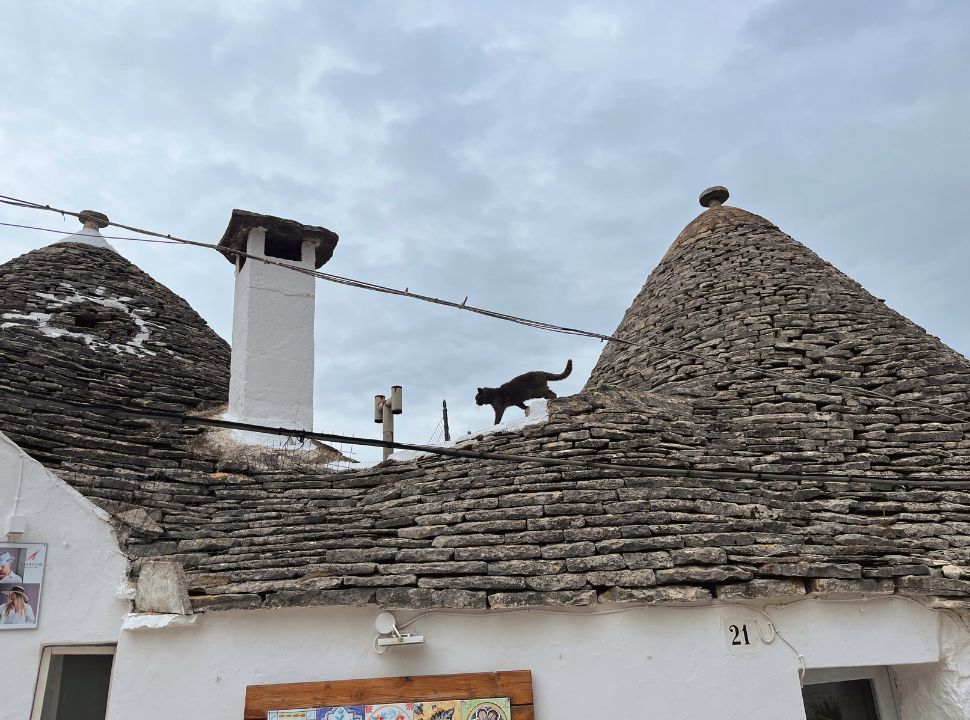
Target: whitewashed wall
column 646, row 663
column 934, row 691
column 85, row 568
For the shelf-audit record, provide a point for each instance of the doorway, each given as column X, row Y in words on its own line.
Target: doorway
column 864, row 693
column 73, row 682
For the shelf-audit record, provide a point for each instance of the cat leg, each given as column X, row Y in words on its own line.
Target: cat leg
column 499, row 412
column 549, row 394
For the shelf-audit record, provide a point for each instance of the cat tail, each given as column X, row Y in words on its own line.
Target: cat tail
column 564, row 374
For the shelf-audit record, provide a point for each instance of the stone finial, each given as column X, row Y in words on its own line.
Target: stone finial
column 714, row 196
column 92, row 218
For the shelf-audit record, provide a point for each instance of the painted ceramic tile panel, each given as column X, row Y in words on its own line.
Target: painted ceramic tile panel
column 310, row 714
column 437, row 710
column 347, row 712
column 486, row 709
column 390, row 711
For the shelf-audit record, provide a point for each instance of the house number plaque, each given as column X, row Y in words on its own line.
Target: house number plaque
column 741, row 635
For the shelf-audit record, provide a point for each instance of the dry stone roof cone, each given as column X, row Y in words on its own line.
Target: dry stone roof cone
column 734, row 292
column 79, row 323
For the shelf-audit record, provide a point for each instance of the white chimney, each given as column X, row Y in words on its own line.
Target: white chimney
column 271, row 372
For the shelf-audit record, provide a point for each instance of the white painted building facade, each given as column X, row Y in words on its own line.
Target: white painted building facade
column 86, row 593
column 662, row 661
column 656, row 662
column 613, row 591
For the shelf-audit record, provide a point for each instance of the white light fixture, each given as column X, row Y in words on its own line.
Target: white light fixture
column 386, row 626
column 16, row 525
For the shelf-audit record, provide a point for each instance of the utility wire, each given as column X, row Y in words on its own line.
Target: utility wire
column 961, row 483
column 951, row 413
column 106, row 237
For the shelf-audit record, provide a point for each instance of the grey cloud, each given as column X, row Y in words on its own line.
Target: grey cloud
column 538, row 158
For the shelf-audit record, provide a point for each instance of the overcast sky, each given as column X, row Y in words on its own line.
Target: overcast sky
column 537, row 157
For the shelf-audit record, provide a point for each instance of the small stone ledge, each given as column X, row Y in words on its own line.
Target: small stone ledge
column 136, row 622
column 541, row 599
column 553, row 583
column 849, row 571
column 839, row 586
column 309, row 598
column 657, row 595
column 760, row 589
column 425, row 598
column 699, row 556
column 624, row 578
column 926, row 585
column 205, row 603
column 687, row 573
column 162, row 588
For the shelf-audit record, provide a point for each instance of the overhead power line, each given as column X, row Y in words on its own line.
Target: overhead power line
column 944, row 411
column 106, row 237
column 942, row 483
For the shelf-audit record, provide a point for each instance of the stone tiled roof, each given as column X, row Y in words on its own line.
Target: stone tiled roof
column 444, row 532
column 82, row 324
column 468, row 533
column 734, row 288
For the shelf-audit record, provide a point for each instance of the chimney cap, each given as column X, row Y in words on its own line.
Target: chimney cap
column 280, row 232
column 714, row 196
column 97, row 219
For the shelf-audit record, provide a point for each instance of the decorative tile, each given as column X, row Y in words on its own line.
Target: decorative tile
column 346, row 712
column 437, row 710
column 310, row 714
column 390, row 711
column 486, row 709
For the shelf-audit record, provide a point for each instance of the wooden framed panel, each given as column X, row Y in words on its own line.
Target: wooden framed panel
column 516, row 685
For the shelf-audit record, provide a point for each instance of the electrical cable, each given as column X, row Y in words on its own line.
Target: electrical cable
column 951, row 413
column 802, row 669
column 20, row 485
column 960, row 482
column 106, row 237
column 945, row 610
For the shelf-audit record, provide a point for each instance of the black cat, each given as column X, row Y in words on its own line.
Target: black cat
column 529, row 386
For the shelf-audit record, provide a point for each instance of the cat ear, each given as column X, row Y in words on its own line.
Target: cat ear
column 479, row 389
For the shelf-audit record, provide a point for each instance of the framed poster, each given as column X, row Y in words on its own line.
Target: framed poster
column 21, row 582
column 468, row 709
column 466, row 696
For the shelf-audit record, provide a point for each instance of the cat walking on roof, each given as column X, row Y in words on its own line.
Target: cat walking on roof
column 528, row 386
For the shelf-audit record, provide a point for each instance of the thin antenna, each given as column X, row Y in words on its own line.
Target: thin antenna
column 444, row 415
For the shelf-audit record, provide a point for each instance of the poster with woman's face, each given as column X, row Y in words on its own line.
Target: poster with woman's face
column 21, row 581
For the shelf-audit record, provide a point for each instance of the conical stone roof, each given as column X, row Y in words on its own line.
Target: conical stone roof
column 82, row 324
column 468, row 533
column 442, row 532
column 734, row 288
